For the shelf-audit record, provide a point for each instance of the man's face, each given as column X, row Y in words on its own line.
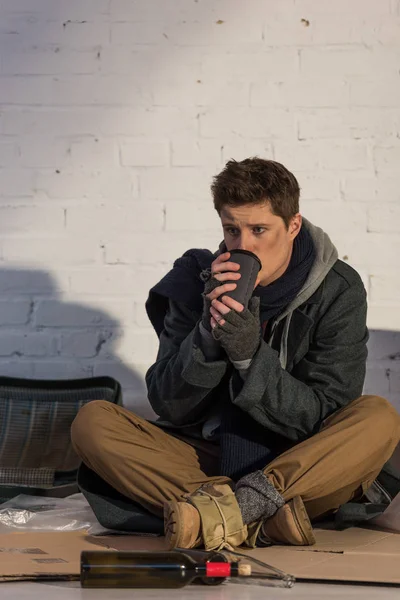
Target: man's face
column 255, row 228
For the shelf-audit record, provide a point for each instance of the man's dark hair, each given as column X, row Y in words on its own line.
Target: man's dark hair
column 255, row 181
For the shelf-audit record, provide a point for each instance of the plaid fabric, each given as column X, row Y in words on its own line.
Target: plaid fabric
column 35, row 430
column 31, row 477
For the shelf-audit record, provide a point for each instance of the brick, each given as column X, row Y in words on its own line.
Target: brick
column 376, row 381
column 139, row 32
column 382, row 316
column 369, row 250
column 75, row 9
column 199, row 93
column 387, row 30
column 144, row 153
column 323, row 29
column 332, row 62
column 136, row 217
column 62, row 369
column 98, row 89
column 25, row 219
column 300, row 93
column 184, row 216
column 18, row 368
column 8, row 154
column 332, row 156
column 256, row 123
column 359, row 187
column 388, row 189
column 78, row 121
column 83, row 344
column 87, row 312
column 55, row 251
column 383, row 345
column 324, row 186
column 136, row 10
column 351, row 218
column 137, row 345
column 141, row 249
column 387, row 158
column 20, row 343
column 146, row 63
column 60, row 32
column 74, row 184
column 196, row 153
column 322, row 123
column 249, row 66
column 51, row 61
column 16, row 183
column 186, row 183
column 385, row 286
column 211, row 33
column 298, row 156
column 157, row 121
column 378, row 92
column 93, row 153
column 26, row 281
column 15, row 312
column 240, row 149
column 140, row 315
column 341, row 7
column 124, row 372
column 42, row 151
column 394, row 379
column 383, row 219
column 107, row 280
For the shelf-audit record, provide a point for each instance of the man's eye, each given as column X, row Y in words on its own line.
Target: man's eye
column 258, row 230
column 232, row 231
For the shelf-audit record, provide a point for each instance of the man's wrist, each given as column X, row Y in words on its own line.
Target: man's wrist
column 210, row 347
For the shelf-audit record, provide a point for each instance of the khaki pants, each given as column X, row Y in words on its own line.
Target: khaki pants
column 151, row 466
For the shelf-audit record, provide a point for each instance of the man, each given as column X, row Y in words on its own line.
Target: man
column 262, row 425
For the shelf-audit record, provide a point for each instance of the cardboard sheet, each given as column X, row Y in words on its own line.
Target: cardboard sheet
column 354, row 555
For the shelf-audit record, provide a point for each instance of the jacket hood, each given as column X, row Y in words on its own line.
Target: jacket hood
column 326, row 256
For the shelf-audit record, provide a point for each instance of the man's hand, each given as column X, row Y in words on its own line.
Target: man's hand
column 238, row 330
column 221, row 270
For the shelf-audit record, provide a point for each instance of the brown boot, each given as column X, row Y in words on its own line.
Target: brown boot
column 290, row 525
column 182, row 525
column 211, row 518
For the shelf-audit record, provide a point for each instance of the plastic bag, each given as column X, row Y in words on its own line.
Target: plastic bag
column 37, row 513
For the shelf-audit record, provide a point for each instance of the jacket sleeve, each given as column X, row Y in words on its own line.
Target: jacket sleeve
column 180, row 381
column 328, row 377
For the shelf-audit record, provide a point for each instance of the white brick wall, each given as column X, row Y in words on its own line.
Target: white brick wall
column 114, row 116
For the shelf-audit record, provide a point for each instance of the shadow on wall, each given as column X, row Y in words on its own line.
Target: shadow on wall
column 44, row 337
column 383, row 366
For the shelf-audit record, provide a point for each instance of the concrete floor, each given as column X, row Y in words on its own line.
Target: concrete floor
column 228, row 591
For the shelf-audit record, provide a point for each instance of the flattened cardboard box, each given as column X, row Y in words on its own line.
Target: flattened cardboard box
column 354, row 555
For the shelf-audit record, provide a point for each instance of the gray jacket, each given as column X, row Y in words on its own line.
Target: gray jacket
column 310, row 363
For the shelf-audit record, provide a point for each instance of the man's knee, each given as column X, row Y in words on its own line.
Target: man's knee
column 86, row 427
column 382, row 415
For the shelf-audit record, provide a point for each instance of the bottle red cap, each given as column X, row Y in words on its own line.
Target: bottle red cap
column 218, row 569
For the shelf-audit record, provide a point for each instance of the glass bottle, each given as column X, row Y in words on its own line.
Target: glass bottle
column 105, row 569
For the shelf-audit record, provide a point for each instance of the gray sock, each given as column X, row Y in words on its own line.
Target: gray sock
column 257, row 497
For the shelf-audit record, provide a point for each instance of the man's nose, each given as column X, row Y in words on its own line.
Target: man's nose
column 243, row 243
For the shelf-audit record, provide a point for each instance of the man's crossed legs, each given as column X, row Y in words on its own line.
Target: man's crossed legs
column 162, row 472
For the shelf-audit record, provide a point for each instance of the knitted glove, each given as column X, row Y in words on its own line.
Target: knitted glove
column 210, row 284
column 240, row 335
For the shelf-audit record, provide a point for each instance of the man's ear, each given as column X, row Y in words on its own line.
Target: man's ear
column 295, row 225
